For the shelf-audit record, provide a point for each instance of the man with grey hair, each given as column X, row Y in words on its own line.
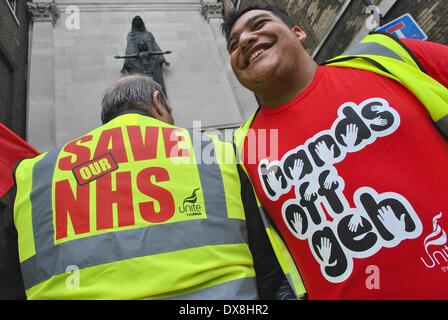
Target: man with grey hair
column 131, row 210
column 136, row 92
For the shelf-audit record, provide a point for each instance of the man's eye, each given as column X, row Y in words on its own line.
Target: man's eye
column 233, row 46
column 259, row 24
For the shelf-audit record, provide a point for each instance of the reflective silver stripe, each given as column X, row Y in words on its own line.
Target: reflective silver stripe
column 211, row 179
column 442, row 124
column 51, row 260
column 209, row 173
column 240, row 289
column 116, row 246
column 40, row 196
column 372, row 48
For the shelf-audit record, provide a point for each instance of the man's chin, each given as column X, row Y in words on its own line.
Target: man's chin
column 256, row 84
column 260, row 78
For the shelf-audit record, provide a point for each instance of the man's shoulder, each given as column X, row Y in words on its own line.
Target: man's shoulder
column 423, row 49
column 415, row 44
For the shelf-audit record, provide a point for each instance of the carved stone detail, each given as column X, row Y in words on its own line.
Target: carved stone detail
column 211, row 9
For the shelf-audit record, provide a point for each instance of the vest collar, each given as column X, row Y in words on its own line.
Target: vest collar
column 128, row 111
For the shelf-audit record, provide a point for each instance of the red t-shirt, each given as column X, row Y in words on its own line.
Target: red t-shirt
column 358, row 188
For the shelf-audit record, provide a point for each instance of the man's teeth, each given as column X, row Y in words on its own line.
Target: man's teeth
column 255, row 54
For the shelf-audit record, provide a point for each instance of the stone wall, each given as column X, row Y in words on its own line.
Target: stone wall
column 429, row 14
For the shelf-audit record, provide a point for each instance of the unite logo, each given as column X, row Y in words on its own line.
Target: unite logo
column 189, row 205
column 436, row 238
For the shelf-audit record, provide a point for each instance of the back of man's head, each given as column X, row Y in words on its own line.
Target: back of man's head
column 136, row 92
column 233, row 16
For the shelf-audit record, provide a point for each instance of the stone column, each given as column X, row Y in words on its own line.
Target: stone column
column 41, row 107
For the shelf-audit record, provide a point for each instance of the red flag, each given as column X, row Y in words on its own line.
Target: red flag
column 12, row 149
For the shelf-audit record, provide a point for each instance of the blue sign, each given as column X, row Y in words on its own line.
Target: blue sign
column 404, row 27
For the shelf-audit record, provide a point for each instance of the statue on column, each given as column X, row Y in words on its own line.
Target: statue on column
column 143, row 54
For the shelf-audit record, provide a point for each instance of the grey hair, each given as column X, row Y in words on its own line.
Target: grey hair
column 131, row 92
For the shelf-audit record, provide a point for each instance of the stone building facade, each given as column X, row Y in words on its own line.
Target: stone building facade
column 14, row 27
column 71, row 66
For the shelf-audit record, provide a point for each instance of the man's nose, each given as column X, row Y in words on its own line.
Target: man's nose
column 247, row 40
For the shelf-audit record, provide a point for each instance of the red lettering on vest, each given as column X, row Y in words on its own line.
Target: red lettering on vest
column 172, row 140
column 147, row 149
column 77, row 207
column 111, row 140
column 94, row 169
column 79, row 153
column 163, row 196
column 121, row 196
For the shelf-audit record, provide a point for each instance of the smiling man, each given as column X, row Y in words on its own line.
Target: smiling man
column 357, row 183
column 263, row 62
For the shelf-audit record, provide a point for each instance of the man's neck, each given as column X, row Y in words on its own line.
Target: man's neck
column 284, row 90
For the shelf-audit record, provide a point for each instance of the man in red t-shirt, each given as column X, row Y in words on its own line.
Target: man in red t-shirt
column 355, row 179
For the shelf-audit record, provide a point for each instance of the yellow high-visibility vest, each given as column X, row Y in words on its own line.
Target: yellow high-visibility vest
column 135, row 209
column 280, row 249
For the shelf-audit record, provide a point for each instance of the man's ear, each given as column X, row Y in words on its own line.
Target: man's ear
column 160, row 110
column 299, row 33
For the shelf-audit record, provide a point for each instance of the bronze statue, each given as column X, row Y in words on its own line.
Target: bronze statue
column 143, row 54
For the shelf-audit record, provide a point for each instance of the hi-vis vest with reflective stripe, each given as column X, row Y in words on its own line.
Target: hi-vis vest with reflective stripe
column 126, row 212
column 386, row 55
column 281, row 251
